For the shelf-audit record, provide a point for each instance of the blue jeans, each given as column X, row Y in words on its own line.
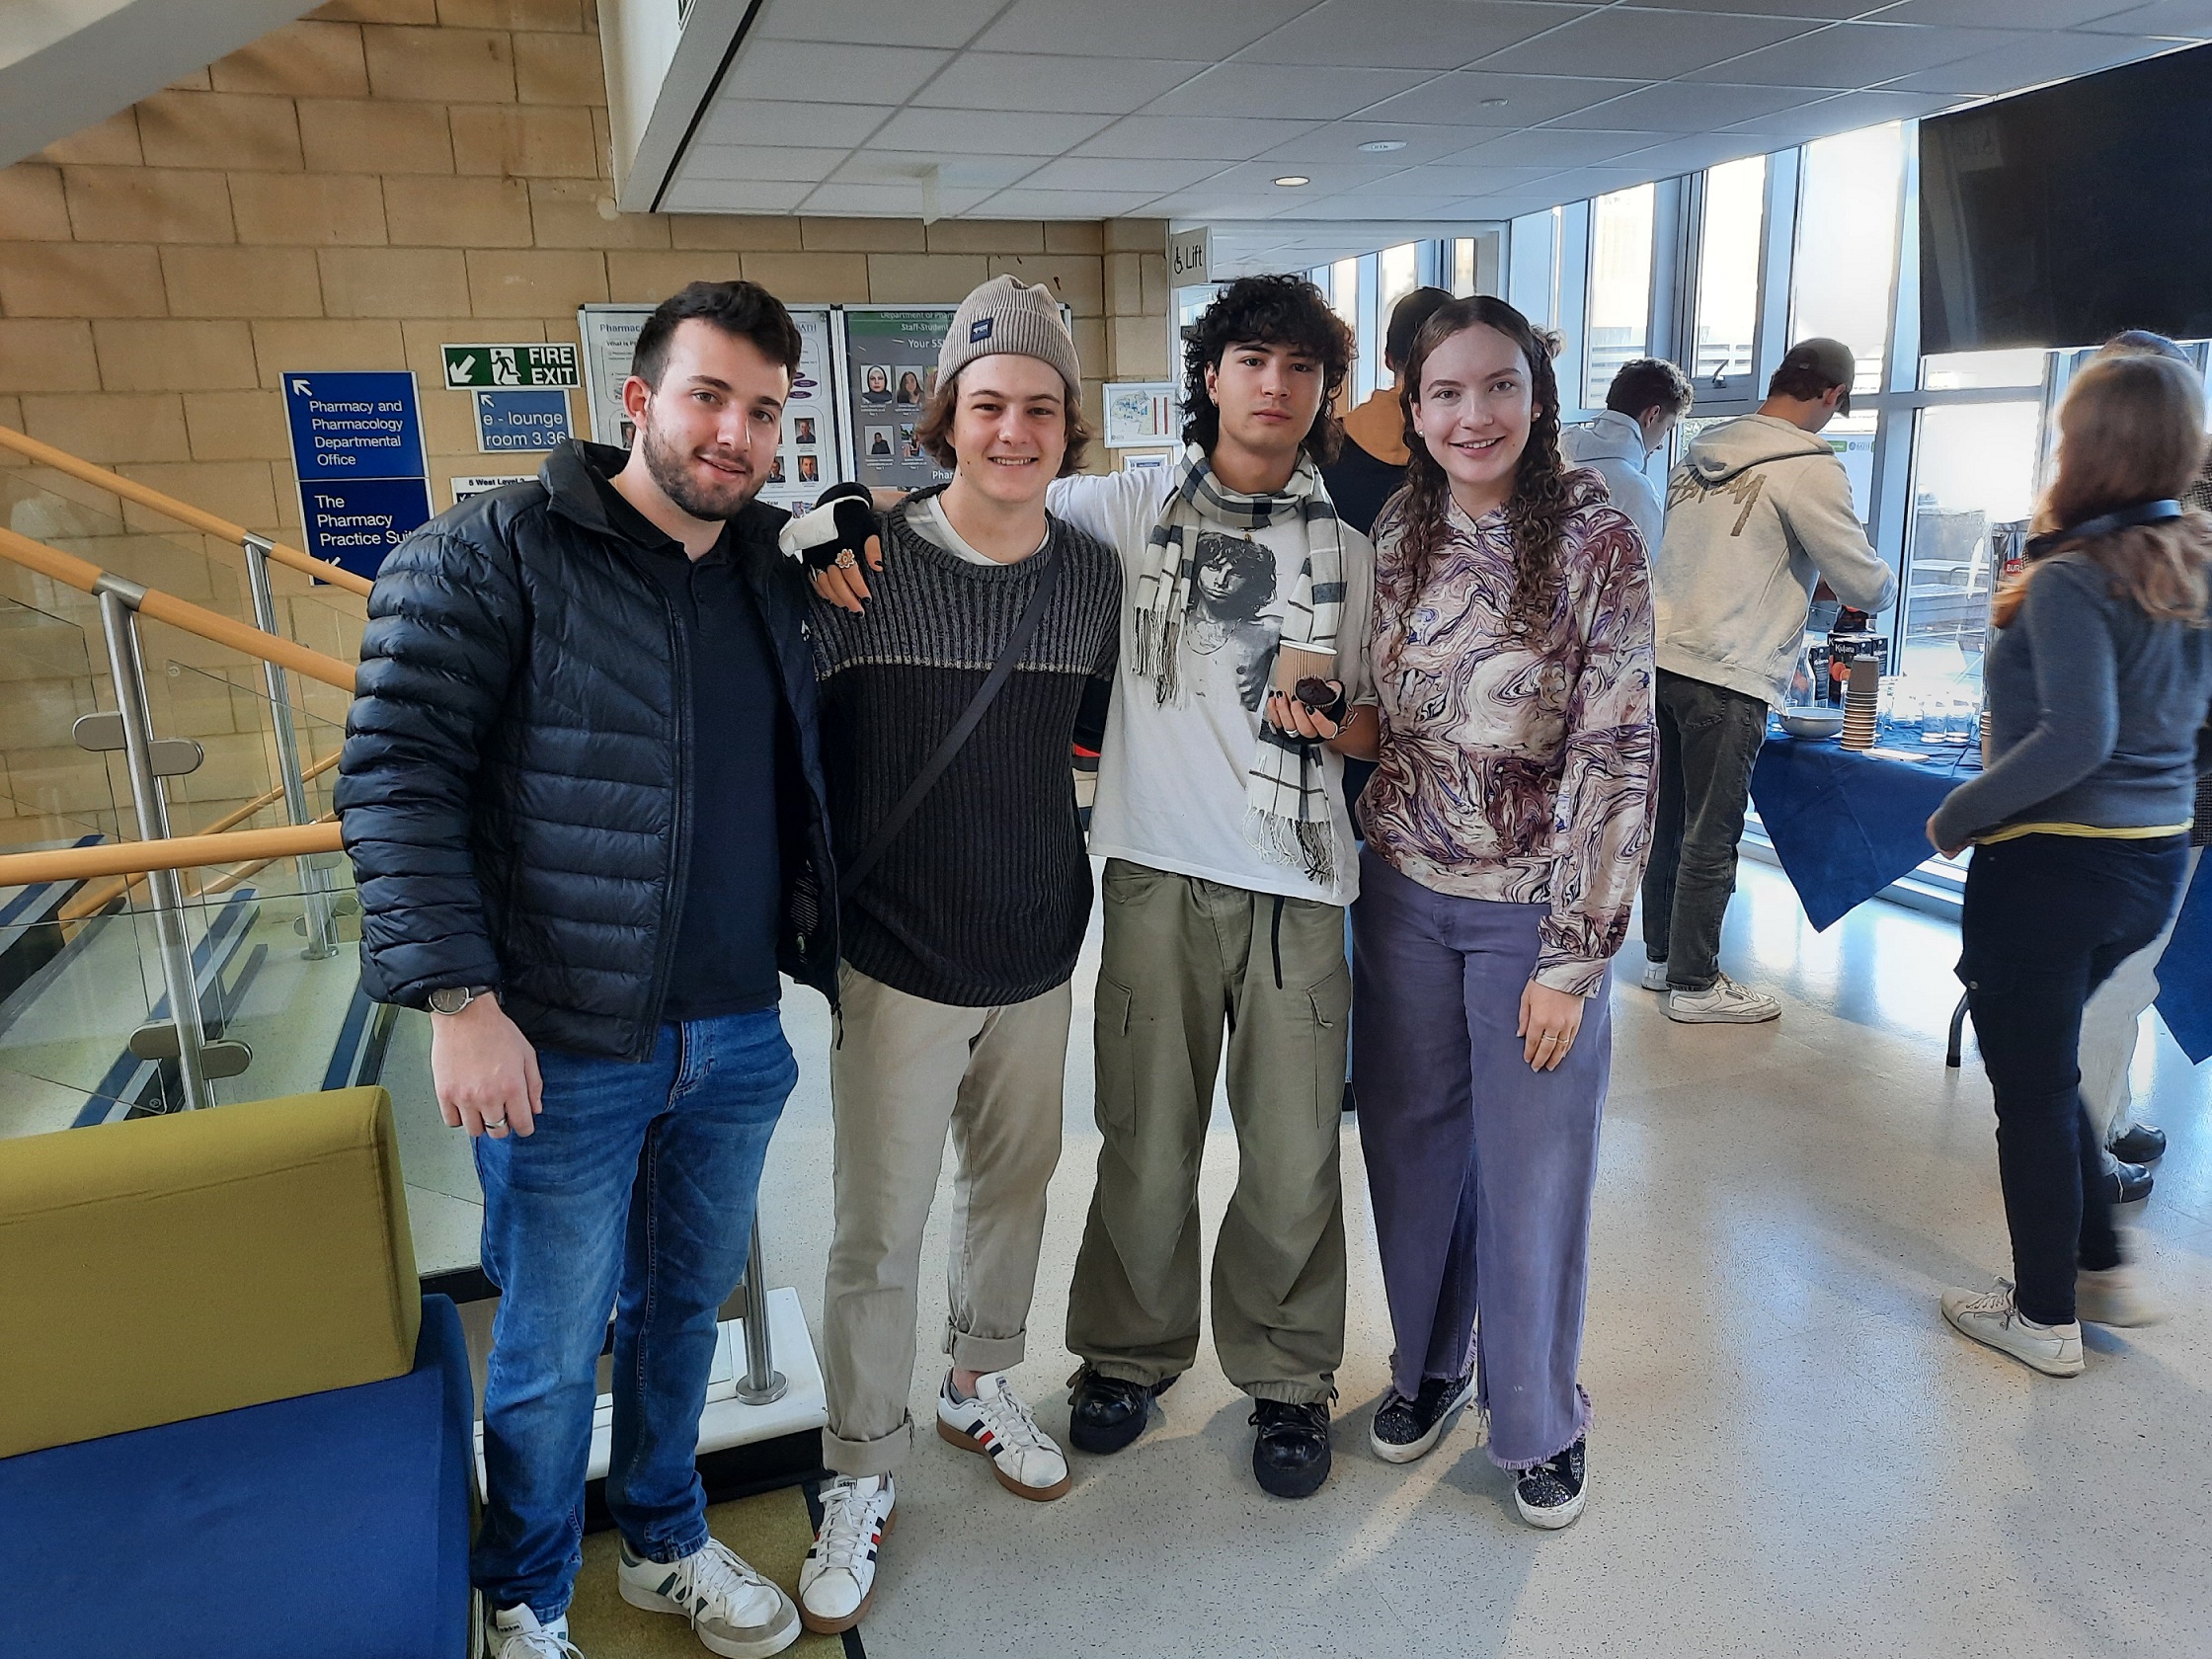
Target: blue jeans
column 635, row 1193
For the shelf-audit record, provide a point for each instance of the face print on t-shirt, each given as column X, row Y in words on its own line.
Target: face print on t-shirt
column 1232, row 592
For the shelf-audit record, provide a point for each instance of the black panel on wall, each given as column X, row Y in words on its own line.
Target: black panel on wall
column 2061, row 216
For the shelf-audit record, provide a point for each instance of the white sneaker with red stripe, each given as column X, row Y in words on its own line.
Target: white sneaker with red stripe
column 1025, row 1458
column 837, row 1579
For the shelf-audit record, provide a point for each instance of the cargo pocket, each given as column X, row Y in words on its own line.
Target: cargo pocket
column 1113, row 1065
column 1330, row 998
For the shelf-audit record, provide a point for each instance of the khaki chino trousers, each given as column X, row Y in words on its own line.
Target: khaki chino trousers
column 1185, row 958
column 903, row 1072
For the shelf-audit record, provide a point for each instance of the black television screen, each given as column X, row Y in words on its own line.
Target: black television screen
column 2061, row 216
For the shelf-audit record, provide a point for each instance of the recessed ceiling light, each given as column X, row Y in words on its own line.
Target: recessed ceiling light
column 1291, row 180
column 1378, row 146
column 1494, row 102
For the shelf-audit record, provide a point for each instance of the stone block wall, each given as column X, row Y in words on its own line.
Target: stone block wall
column 351, row 191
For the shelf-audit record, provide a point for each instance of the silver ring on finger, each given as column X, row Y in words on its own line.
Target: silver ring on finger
column 845, row 560
column 495, row 1123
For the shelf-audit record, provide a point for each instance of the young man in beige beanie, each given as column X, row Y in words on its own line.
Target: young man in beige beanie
column 964, row 893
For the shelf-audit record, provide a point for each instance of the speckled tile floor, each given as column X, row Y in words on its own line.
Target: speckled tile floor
column 1793, row 1455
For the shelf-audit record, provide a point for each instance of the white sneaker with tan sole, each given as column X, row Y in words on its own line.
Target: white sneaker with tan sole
column 837, row 1579
column 1993, row 1318
column 1025, row 1458
column 732, row 1610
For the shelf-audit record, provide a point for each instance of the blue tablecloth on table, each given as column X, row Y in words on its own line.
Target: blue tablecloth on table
column 1844, row 824
column 2185, row 970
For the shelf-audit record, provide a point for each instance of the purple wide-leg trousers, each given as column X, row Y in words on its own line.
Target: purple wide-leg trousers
column 1481, row 1170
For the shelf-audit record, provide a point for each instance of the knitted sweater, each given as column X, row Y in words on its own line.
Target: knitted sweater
column 983, row 898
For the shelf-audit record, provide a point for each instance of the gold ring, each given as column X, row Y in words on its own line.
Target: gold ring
column 845, row 560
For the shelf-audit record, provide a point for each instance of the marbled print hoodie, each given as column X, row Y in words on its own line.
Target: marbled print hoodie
column 1519, row 770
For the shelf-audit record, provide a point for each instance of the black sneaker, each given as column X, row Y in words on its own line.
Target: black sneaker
column 1551, row 1495
column 1291, row 1451
column 2140, row 1145
column 1406, row 1429
column 1105, row 1413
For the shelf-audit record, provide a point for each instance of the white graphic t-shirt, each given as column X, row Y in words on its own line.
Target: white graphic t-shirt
column 1171, row 778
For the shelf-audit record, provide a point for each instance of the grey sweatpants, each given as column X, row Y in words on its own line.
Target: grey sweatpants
column 1183, row 957
column 903, row 1072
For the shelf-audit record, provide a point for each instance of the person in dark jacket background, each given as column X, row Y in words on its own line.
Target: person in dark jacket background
column 581, row 791
column 1370, row 467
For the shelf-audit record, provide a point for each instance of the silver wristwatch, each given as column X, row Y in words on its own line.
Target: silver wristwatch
column 451, row 999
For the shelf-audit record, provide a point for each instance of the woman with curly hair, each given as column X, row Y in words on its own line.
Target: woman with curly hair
column 2100, row 687
column 1507, row 826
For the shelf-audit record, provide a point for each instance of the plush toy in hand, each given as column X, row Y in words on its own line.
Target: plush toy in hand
column 837, row 532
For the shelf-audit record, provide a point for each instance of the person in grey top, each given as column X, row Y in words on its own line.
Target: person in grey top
column 1758, row 511
column 2101, row 693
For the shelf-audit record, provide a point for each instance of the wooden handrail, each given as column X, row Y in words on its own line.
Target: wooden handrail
column 84, row 575
column 178, row 852
column 169, row 507
column 93, row 899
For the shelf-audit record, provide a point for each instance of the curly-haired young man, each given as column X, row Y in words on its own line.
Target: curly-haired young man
column 1230, row 861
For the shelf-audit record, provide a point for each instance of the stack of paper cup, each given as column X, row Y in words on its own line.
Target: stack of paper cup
column 1860, row 695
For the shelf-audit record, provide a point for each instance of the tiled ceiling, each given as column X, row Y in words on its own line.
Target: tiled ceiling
column 1165, row 108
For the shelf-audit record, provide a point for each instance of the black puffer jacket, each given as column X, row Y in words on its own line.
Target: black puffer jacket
column 513, row 787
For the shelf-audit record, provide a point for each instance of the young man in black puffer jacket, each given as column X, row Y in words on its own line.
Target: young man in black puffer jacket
column 583, row 795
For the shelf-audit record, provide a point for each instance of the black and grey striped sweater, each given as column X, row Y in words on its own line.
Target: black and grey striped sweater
column 983, row 898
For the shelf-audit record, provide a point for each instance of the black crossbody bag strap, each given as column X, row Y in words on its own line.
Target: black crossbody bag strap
column 1017, row 643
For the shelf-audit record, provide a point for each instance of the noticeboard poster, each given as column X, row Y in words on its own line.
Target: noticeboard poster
column 888, row 370
column 806, row 458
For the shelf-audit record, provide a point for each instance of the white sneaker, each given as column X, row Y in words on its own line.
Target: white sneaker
column 1025, row 1458
column 1725, row 1002
column 2114, row 1295
column 837, row 1579
column 732, row 1610
column 1993, row 1317
column 514, row 1633
column 1654, row 974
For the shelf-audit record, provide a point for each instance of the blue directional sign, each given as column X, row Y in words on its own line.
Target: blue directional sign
column 359, row 520
column 532, row 420
column 355, row 424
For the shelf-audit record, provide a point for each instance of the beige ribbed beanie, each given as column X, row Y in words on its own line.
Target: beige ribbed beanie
column 1005, row 316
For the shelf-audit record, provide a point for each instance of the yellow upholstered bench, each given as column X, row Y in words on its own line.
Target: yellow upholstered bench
column 169, row 1267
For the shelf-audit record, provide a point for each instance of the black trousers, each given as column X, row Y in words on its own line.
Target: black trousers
column 2046, row 920
column 1709, row 738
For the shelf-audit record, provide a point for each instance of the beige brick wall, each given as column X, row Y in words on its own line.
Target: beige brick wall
column 349, row 192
